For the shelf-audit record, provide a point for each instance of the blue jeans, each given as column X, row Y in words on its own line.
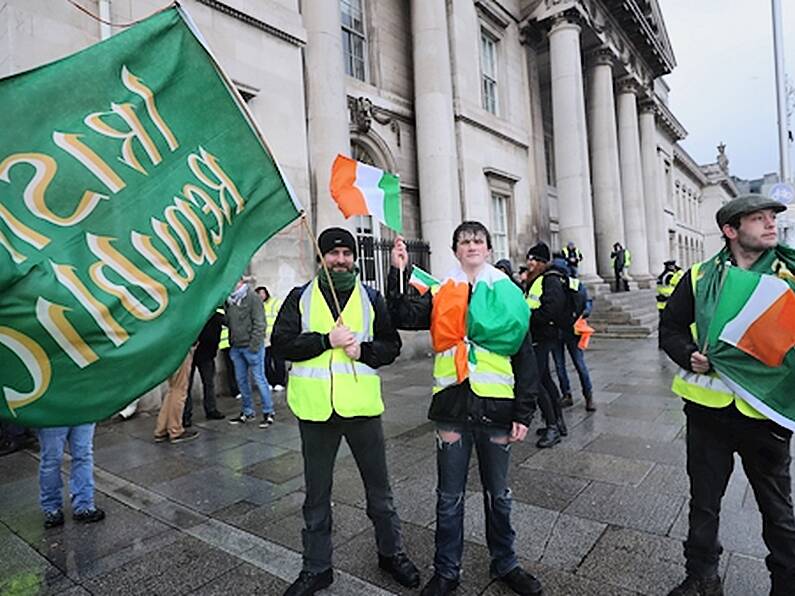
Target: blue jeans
column 571, row 341
column 245, row 360
column 81, row 477
column 453, row 449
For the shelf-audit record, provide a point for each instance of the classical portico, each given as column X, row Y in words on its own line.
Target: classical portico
column 604, row 127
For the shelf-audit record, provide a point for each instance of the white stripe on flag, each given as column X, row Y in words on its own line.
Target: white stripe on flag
column 367, row 179
column 767, row 291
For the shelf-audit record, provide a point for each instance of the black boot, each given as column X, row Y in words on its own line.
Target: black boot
column 589, row 405
column 439, row 586
column 309, row 583
column 402, row 570
column 561, row 423
column 698, row 586
column 550, row 437
column 567, row 400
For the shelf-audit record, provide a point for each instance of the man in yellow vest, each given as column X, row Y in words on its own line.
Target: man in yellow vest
column 275, row 369
column 489, row 409
column 621, row 259
column 546, row 298
column 720, row 423
column 335, row 392
column 666, row 282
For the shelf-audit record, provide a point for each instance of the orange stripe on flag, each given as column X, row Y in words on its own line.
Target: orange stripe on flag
column 772, row 334
column 343, row 190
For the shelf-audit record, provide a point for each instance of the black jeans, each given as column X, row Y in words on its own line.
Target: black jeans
column 548, row 395
column 275, row 369
column 206, row 369
column 320, row 442
column 713, row 436
column 231, row 380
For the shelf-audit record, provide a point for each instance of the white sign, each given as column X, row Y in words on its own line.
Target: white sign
column 783, row 192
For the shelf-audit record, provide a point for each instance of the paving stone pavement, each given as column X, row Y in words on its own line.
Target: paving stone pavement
column 603, row 513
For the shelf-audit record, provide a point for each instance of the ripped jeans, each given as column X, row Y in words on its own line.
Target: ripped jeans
column 453, row 449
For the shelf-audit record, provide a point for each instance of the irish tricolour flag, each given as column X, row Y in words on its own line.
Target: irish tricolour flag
column 765, row 325
column 421, row 280
column 361, row 189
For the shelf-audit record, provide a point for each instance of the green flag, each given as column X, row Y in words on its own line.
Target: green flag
column 134, row 189
column 748, row 320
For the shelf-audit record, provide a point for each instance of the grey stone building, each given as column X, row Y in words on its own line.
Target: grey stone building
column 544, row 119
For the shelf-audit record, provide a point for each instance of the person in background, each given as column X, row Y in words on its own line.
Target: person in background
column 275, row 367
column 622, row 259
column 573, row 257
column 204, row 362
column 246, row 320
column 52, row 441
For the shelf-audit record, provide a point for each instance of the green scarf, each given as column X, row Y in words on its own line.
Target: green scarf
column 343, row 280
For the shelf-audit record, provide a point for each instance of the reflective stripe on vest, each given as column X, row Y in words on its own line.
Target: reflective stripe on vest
column 331, row 381
column 708, row 390
column 491, row 376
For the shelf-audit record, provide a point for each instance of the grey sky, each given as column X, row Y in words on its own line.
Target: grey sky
column 723, row 87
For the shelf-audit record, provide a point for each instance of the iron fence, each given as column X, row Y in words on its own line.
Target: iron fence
column 374, row 259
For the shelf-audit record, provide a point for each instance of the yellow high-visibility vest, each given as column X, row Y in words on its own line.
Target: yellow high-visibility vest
column 533, row 297
column 223, row 340
column 326, row 383
column 271, row 307
column 664, row 290
column 708, row 390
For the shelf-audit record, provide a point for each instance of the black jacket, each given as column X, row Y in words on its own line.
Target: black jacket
column 546, row 319
column 458, row 403
column 209, row 337
column 289, row 343
column 680, row 311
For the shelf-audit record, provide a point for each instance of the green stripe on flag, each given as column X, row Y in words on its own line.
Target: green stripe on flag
column 423, row 277
column 393, row 211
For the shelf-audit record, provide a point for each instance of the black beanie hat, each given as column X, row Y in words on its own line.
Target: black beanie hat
column 331, row 238
column 540, row 252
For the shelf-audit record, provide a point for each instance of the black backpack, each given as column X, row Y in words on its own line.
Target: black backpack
column 576, row 300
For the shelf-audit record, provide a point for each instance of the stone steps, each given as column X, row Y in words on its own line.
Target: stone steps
column 625, row 314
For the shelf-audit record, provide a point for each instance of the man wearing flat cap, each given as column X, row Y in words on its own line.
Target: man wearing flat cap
column 335, row 392
column 720, row 420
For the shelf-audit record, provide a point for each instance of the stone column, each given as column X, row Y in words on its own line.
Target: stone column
column 632, row 181
column 437, row 160
column 571, row 143
column 605, row 173
column 327, row 121
column 655, row 230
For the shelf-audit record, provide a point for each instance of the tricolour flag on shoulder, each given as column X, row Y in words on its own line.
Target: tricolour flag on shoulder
column 421, row 280
column 749, row 322
column 134, row 189
column 765, row 326
column 361, row 189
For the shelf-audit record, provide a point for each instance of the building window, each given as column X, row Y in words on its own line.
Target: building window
column 354, row 41
column 488, row 71
column 499, row 226
column 549, row 158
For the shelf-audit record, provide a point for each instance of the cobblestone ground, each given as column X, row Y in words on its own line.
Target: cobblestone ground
column 603, row 513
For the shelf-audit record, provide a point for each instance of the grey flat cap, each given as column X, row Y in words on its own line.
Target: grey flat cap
column 744, row 205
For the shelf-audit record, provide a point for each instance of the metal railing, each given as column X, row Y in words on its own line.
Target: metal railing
column 374, row 256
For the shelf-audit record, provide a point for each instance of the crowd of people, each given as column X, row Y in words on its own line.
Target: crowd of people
column 492, row 334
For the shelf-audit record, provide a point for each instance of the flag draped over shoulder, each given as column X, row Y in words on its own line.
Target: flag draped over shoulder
column 496, row 316
column 134, row 189
column 749, row 318
column 361, row 189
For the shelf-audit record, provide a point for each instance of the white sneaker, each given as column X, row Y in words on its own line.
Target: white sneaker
column 278, row 387
column 238, row 396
